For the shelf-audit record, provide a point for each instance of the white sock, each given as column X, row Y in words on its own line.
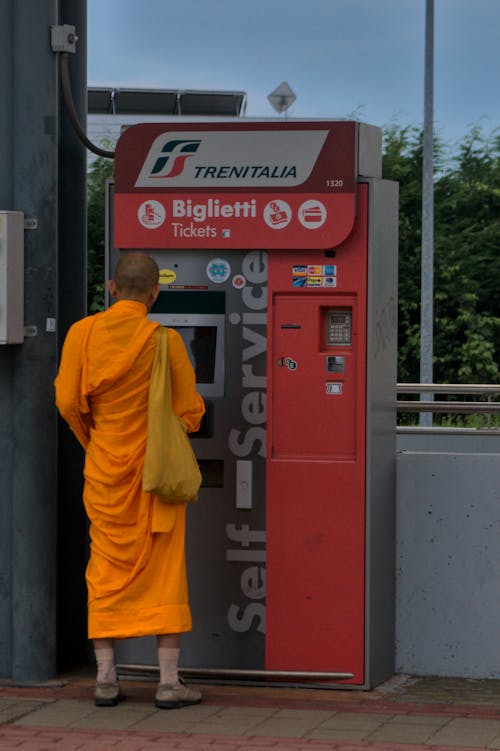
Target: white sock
column 168, row 659
column 106, row 671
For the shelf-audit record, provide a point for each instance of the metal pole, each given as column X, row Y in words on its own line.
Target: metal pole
column 72, row 542
column 427, row 268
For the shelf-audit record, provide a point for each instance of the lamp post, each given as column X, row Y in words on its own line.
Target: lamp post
column 427, row 268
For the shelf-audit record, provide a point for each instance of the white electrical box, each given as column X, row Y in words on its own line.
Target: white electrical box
column 11, row 277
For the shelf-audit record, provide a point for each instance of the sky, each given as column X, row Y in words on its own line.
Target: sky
column 359, row 59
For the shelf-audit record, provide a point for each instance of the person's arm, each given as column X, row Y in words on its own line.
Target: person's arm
column 186, row 401
column 70, row 401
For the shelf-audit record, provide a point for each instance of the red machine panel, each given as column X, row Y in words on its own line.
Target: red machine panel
column 316, row 458
column 310, row 370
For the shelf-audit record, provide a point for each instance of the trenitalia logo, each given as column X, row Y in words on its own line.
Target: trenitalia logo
column 170, row 161
column 243, row 158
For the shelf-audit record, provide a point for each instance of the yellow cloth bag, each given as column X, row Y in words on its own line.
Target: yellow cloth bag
column 171, row 471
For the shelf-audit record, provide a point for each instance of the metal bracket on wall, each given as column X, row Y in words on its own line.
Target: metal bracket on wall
column 63, row 38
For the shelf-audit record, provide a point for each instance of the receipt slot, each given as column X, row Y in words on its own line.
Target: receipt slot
column 277, row 248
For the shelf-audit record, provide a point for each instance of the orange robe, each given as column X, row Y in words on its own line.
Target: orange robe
column 136, row 575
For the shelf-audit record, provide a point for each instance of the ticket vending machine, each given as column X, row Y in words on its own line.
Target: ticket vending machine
column 277, row 248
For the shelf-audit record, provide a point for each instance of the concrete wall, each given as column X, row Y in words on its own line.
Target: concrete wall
column 448, row 555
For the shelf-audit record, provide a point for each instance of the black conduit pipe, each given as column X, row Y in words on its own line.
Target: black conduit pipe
column 68, row 100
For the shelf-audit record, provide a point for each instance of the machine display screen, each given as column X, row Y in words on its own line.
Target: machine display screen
column 204, row 337
column 201, row 345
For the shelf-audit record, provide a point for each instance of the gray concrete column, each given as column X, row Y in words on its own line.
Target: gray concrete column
column 6, row 446
column 42, row 173
column 34, row 138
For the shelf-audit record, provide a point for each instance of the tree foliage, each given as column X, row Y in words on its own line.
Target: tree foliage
column 101, row 170
column 466, row 246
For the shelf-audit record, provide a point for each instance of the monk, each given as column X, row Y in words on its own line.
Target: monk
column 136, row 575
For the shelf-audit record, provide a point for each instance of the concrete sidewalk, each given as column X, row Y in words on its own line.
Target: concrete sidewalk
column 404, row 714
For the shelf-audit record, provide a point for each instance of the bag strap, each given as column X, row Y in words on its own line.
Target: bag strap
column 162, row 363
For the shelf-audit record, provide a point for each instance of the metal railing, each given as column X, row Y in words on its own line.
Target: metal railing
column 458, row 407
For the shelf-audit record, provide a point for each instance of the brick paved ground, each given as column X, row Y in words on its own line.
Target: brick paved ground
column 405, row 714
column 41, row 739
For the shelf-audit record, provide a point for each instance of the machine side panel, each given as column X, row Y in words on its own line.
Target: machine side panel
column 381, row 428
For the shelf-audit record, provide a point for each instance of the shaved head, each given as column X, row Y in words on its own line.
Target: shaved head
column 136, row 274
